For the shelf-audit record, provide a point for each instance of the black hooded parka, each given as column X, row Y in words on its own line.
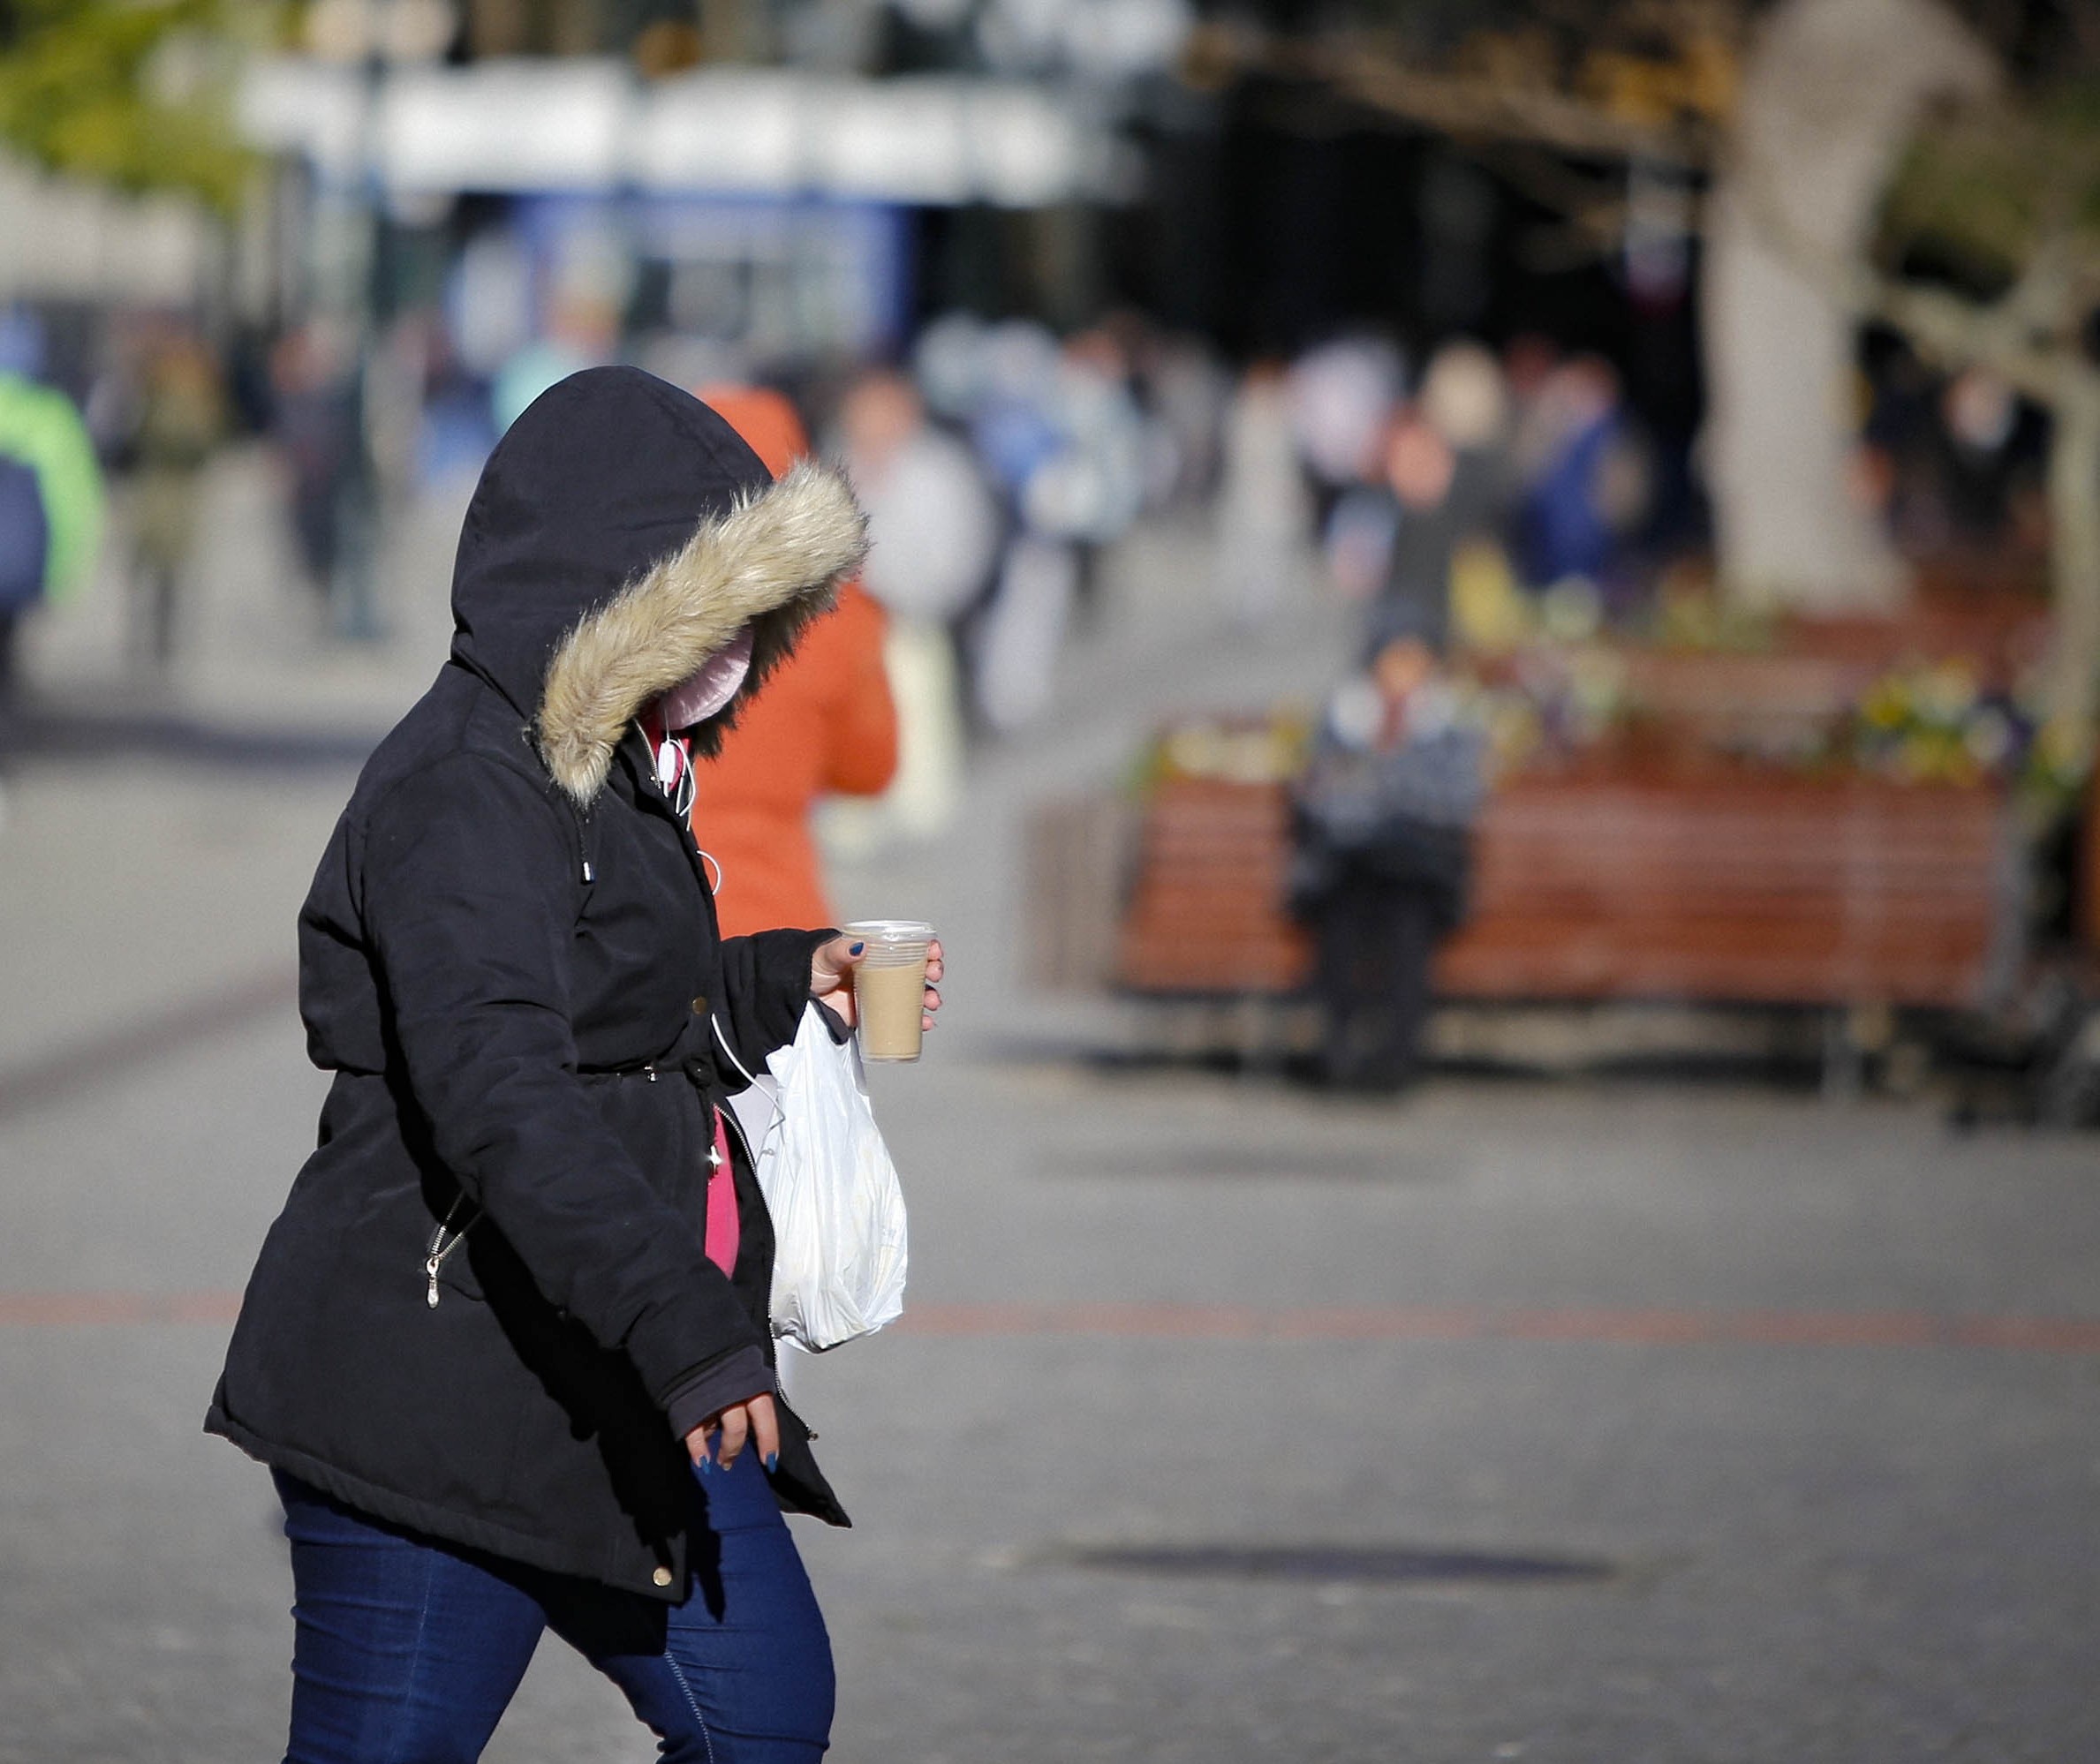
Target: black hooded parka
column 489, row 1284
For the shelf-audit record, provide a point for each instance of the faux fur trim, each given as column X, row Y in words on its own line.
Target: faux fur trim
column 773, row 561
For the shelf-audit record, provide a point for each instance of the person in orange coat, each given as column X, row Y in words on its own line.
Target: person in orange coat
column 824, row 724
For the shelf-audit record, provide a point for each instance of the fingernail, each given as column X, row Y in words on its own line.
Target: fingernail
column 772, row 1462
column 856, row 949
column 705, row 1465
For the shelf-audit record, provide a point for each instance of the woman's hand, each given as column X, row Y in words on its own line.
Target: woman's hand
column 756, row 1422
column 831, row 978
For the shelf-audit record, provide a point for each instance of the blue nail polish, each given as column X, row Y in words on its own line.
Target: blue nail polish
column 856, row 949
column 772, row 1462
column 705, row 1465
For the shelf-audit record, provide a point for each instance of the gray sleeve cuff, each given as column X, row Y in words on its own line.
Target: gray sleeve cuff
column 737, row 1378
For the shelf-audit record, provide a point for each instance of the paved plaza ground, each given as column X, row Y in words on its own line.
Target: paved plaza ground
column 1579, row 1421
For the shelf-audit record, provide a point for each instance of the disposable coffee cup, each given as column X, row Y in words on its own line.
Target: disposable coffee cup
column 890, row 986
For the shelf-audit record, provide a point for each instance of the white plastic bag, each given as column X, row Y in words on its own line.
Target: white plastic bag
column 838, row 1213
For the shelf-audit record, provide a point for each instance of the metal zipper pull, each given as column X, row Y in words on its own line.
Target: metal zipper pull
column 442, row 1246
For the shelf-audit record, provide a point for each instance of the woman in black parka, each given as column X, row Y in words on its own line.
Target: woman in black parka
column 486, row 1346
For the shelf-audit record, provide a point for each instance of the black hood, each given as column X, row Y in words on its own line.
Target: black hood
column 604, row 474
column 621, row 534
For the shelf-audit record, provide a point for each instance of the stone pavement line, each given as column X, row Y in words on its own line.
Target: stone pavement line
column 1625, row 1327
column 1630, row 1327
column 61, row 1310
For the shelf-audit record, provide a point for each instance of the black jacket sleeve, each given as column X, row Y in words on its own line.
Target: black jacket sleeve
column 766, row 976
column 468, row 902
column 743, row 1376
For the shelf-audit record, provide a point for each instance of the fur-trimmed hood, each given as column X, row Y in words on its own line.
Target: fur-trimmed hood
column 773, row 561
column 621, row 535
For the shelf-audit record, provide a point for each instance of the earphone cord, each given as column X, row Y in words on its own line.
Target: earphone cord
column 683, row 786
column 779, row 1113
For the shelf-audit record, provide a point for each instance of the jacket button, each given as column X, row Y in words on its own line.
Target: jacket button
column 699, row 1005
column 662, row 1577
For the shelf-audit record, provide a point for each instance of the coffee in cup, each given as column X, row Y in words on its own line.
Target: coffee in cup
column 890, row 986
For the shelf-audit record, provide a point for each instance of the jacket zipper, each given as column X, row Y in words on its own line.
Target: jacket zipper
column 732, row 1124
column 736, row 1125
column 584, row 872
column 442, row 1246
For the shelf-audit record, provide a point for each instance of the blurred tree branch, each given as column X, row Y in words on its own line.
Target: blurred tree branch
column 2008, row 184
column 1651, row 78
column 129, row 93
column 2009, row 189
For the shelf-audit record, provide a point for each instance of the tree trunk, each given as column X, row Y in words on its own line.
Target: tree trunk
column 2072, row 681
column 1829, row 93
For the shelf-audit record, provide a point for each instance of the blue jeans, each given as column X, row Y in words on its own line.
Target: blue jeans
column 408, row 1649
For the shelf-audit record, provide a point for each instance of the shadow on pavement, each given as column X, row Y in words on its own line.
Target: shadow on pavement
column 70, row 732
column 1330, row 1562
column 68, row 1071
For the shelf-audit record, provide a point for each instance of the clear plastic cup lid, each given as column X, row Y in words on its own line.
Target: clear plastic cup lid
column 889, row 931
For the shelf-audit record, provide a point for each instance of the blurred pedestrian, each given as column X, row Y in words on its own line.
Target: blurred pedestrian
column 1421, row 471
column 824, row 724
column 1466, row 399
column 1442, row 482
column 934, row 533
column 581, row 332
column 318, row 422
column 1187, row 394
column 506, row 1348
column 181, row 420
column 1342, row 394
column 1587, row 483
column 1383, row 817
column 51, row 497
column 1062, row 433
column 1091, row 489
column 1263, row 527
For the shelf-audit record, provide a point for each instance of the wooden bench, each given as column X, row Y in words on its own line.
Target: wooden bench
column 1205, row 914
column 1713, row 886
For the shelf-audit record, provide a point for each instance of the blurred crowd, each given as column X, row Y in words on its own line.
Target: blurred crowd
column 1464, row 492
